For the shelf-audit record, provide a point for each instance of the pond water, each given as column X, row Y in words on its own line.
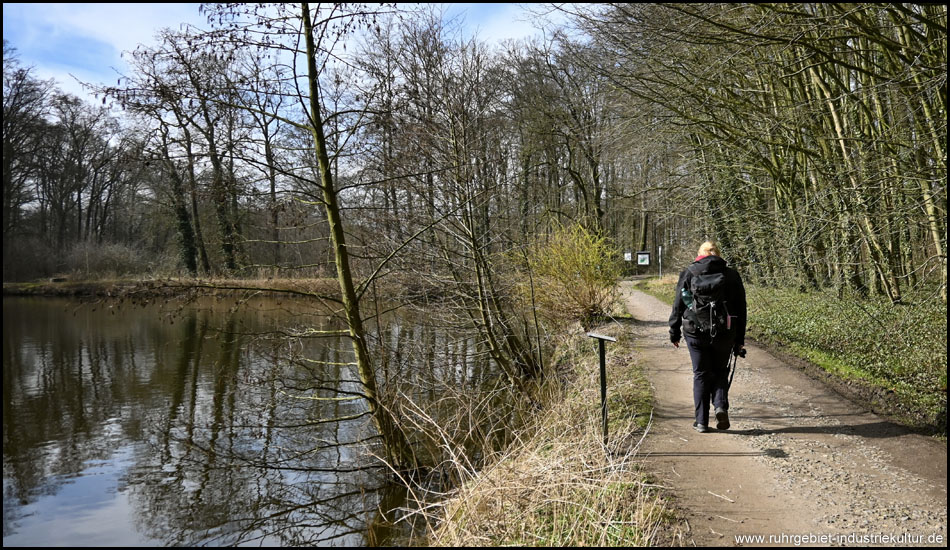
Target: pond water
column 163, row 423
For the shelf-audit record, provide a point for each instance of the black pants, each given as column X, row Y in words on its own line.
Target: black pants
column 710, row 375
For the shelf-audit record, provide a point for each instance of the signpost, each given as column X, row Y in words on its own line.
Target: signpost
column 603, row 377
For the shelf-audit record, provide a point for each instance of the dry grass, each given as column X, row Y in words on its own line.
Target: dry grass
column 558, row 485
column 661, row 289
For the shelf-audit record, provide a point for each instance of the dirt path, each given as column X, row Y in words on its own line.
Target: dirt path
column 798, row 460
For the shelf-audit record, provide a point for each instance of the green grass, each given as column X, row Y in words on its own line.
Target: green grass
column 899, row 350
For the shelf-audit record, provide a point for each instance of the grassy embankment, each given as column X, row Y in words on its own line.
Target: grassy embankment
column 891, row 358
column 558, row 485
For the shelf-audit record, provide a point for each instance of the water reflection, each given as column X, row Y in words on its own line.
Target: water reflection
column 132, row 424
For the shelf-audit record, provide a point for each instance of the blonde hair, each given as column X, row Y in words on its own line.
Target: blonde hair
column 709, row 248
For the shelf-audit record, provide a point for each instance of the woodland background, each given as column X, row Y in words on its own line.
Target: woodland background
column 810, row 140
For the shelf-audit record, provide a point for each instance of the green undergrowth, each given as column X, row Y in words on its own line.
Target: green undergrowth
column 558, row 485
column 893, row 357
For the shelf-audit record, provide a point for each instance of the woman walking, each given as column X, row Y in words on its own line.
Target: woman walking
column 709, row 310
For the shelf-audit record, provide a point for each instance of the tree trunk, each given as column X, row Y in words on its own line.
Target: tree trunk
column 397, row 446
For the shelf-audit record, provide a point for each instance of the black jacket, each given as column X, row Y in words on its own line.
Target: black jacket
column 735, row 301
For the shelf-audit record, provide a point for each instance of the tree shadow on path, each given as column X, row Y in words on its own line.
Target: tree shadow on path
column 870, row 430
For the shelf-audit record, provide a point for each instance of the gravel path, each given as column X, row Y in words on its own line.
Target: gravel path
column 800, row 465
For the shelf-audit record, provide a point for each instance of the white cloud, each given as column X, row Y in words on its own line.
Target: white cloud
column 495, row 23
column 122, row 26
column 63, row 41
column 125, row 26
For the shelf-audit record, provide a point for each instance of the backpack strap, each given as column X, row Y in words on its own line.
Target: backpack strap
column 695, row 271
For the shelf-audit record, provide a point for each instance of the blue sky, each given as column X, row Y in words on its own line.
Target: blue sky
column 63, row 41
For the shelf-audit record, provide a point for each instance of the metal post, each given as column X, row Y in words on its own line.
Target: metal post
column 603, row 387
column 603, row 378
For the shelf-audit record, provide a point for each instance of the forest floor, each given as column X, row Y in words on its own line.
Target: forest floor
column 800, row 465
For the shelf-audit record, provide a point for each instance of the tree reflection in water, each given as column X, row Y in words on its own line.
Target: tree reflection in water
column 231, row 428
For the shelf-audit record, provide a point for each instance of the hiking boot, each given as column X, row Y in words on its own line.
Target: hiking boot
column 701, row 428
column 722, row 419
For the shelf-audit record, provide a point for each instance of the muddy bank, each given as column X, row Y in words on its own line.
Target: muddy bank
column 168, row 288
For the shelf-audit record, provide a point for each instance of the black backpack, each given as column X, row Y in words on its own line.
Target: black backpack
column 705, row 297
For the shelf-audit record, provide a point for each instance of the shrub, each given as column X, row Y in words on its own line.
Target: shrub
column 92, row 260
column 574, row 274
column 27, row 258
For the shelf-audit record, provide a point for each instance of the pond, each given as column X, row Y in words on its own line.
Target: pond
column 201, row 423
